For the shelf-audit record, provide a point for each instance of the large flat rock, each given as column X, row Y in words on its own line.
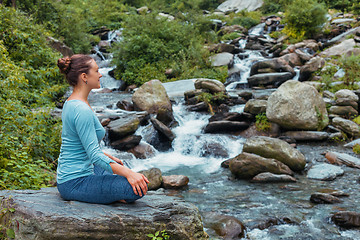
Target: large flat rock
column 43, row 214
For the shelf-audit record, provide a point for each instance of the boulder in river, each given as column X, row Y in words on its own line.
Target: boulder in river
column 267, row 177
column 43, row 214
column 255, row 106
column 296, row 105
column 324, row 198
column 278, row 149
column 247, row 166
column 163, row 129
column 269, row 78
column 346, row 126
column 347, row 94
column 307, row 135
column 126, row 143
column 276, row 64
column 143, row 150
column 221, row 59
column 324, row 171
column 228, row 227
column 346, row 219
column 123, row 127
column 154, row 176
column 175, row 181
column 150, row 97
column 213, row 85
column 225, row 126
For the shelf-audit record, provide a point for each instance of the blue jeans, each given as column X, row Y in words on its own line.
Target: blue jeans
column 102, row 187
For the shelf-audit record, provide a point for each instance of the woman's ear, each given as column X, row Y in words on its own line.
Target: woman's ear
column 83, row 77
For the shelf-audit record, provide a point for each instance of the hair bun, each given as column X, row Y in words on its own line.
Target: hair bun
column 64, row 65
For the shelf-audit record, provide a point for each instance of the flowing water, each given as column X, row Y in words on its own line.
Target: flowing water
column 213, row 189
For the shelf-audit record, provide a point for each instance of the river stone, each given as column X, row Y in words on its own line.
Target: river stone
column 255, row 106
column 150, row 97
column 328, row 94
column 348, row 94
column 277, row 64
column 339, row 49
column 247, row 165
column 345, row 111
column 324, row 171
column 346, row 102
column 352, row 143
column 225, row 126
column 162, row 128
column 343, row 158
column 154, row 176
column 126, row 143
column 296, row 105
column 228, row 227
column 275, row 148
column 43, row 214
column 268, row 78
column 324, row 198
column 214, row 149
column 221, row 59
column 175, row 181
column 346, row 219
column 307, row 135
column 238, row 5
column 214, row 86
column 143, row 150
column 310, row 67
column 267, row 177
column 292, row 59
column 346, row 126
column 123, row 127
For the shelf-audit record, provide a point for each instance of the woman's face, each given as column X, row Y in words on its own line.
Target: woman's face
column 93, row 77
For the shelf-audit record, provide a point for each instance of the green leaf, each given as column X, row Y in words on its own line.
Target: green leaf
column 12, row 210
column 157, row 234
column 10, row 233
column 150, row 235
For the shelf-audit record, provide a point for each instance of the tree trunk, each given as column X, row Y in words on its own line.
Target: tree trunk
column 13, row 3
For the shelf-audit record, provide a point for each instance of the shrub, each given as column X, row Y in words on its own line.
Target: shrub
column 304, row 18
column 352, row 69
column 262, row 122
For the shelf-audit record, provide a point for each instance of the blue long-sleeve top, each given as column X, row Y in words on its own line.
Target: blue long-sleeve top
column 81, row 134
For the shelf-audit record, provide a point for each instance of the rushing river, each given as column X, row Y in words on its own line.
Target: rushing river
column 214, row 190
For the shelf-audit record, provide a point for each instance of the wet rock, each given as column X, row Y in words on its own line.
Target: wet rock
column 221, row 59
column 143, row 150
column 347, row 94
column 214, row 86
column 150, row 97
column 346, row 126
column 225, row 164
column 269, row 78
column 126, row 143
column 238, row 5
column 166, row 117
column 324, row 171
column 346, row 102
column 343, row 158
column 277, row 149
column 277, row 64
column 214, row 149
column 105, row 122
column 199, row 107
column 125, row 105
column 162, row 128
column 233, row 28
column 232, row 116
column 225, row 126
column 310, row 67
column 272, row 222
column 42, row 214
column 346, row 219
column 227, row 227
column 292, row 59
column 296, row 105
column 352, row 143
column 193, row 93
column 345, row 111
column 307, row 135
column 255, row 106
column 123, row 127
column 175, row 181
column 303, row 55
column 246, row 94
column 328, row 94
column 324, row 198
column 178, row 88
column 340, row 49
column 247, row 165
column 154, row 176
column 270, row 177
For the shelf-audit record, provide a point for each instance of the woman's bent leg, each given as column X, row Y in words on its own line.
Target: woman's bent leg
column 103, row 189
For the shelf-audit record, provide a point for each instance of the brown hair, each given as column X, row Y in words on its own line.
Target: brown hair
column 73, row 66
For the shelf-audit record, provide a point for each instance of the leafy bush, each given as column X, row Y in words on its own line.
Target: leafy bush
column 304, row 18
column 30, row 80
column 262, row 122
column 152, row 44
column 274, row 6
column 352, row 69
column 245, row 19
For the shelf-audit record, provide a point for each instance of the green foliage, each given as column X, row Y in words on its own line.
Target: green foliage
column 357, row 120
column 159, row 235
column 262, row 122
column 352, row 69
column 30, row 80
column 245, row 19
column 356, row 148
column 6, row 230
column 304, row 18
column 343, row 5
column 152, row 44
column 274, row 6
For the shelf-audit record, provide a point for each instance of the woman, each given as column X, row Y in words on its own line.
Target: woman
column 84, row 172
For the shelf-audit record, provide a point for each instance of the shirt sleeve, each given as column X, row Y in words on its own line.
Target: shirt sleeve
column 85, row 127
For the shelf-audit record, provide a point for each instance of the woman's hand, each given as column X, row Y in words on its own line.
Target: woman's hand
column 138, row 182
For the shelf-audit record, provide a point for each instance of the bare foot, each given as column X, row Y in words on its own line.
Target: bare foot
column 122, row 201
